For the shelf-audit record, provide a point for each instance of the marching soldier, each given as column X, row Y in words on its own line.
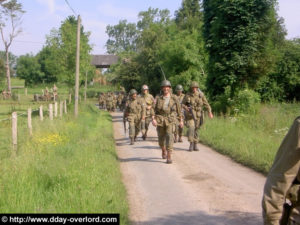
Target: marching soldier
column 167, row 109
column 178, row 130
column 148, row 102
column 283, row 182
column 133, row 113
column 109, row 102
column 193, row 103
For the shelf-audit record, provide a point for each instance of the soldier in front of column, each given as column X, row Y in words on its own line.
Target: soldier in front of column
column 178, row 129
column 167, row 109
column 281, row 198
column 148, row 101
column 193, row 103
column 133, row 113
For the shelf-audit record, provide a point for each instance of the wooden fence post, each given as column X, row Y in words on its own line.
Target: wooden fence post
column 65, row 103
column 61, row 105
column 14, row 119
column 51, row 111
column 19, row 97
column 29, row 121
column 55, row 109
column 70, row 98
column 41, row 113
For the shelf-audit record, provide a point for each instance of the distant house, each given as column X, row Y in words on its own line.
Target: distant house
column 104, row 61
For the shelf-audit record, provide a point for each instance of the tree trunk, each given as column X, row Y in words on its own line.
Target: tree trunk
column 8, row 72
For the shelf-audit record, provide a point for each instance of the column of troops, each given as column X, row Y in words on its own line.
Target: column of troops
column 168, row 112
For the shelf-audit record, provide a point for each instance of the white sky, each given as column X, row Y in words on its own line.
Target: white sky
column 43, row 15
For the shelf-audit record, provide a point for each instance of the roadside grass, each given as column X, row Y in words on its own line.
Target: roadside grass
column 252, row 140
column 68, row 166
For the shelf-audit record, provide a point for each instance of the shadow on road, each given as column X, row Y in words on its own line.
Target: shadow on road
column 140, row 159
column 201, row 218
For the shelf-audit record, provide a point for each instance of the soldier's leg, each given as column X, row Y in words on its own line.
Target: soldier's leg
column 169, row 141
column 137, row 128
column 191, row 133
column 176, row 131
column 180, row 131
column 131, row 131
column 143, row 128
column 162, row 140
column 196, row 135
column 147, row 124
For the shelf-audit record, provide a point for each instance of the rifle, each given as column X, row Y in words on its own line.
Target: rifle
column 190, row 110
column 124, row 124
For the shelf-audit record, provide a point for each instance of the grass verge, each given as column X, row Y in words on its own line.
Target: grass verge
column 68, row 166
column 252, row 140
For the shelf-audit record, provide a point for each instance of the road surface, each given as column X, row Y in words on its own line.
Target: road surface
column 201, row 188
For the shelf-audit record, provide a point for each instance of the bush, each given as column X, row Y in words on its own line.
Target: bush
column 246, row 101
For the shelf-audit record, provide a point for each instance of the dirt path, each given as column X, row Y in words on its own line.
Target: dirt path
column 203, row 188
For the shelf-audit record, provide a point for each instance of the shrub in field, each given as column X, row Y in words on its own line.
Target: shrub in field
column 246, row 101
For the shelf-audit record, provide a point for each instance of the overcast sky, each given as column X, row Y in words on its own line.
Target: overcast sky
column 43, row 15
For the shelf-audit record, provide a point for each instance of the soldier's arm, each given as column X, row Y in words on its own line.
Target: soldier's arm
column 207, row 106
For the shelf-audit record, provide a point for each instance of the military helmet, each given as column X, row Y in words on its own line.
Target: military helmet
column 194, row 84
column 145, row 87
column 165, row 83
column 132, row 91
column 179, row 87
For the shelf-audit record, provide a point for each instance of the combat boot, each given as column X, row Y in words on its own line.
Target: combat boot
column 169, row 160
column 134, row 139
column 131, row 141
column 175, row 138
column 144, row 137
column 196, row 147
column 163, row 153
column 191, row 146
column 180, row 139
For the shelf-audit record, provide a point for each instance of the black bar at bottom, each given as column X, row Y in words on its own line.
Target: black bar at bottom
column 105, row 219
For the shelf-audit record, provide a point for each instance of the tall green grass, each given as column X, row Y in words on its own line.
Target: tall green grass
column 252, row 140
column 68, row 166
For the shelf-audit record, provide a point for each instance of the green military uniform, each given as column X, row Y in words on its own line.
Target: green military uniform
column 178, row 130
column 167, row 110
column 283, row 180
column 148, row 102
column 193, row 104
column 109, row 102
column 134, row 111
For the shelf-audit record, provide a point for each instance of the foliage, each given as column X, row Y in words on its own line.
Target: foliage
column 189, row 16
column 284, row 82
column 238, row 36
column 58, row 57
column 163, row 45
column 246, row 101
column 2, row 74
column 122, row 37
column 29, row 69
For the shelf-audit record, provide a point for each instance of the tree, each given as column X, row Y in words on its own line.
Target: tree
column 57, row 58
column 29, row 69
column 189, row 16
column 11, row 13
column 238, row 39
column 122, row 37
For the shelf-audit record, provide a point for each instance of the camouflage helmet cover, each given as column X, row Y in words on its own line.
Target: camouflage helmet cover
column 194, row 84
column 165, row 83
column 145, row 87
column 179, row 87
column 132, row 91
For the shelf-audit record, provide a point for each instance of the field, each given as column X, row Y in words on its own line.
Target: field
column 252, row 140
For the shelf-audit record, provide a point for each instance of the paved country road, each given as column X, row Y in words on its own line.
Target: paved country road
column 202, row 188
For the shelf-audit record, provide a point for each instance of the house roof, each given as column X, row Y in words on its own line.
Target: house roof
column 104, row 61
